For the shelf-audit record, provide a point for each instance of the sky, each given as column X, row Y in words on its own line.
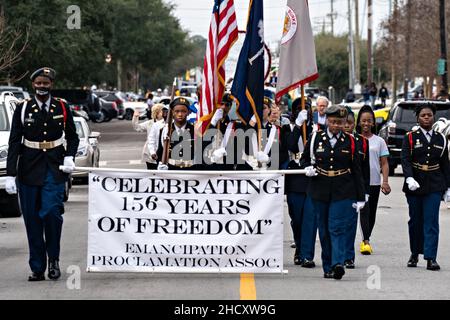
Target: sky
column 195, row 16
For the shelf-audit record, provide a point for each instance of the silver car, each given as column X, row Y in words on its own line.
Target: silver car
column 88, row 154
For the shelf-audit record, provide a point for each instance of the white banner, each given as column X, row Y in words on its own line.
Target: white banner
column 171, row 222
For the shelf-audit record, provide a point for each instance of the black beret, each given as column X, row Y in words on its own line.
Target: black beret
column 336, row 111
column 180, row 101
column 44, row 72
column 428, row 105
column 227, row 99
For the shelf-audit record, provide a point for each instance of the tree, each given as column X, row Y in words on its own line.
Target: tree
column 142, row 35
column 424, row 42
column 12, row 46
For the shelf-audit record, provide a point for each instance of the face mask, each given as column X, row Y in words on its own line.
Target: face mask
column 42, row 91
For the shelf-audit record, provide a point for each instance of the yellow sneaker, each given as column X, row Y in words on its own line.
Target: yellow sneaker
column 367, row 250
column 361, row 247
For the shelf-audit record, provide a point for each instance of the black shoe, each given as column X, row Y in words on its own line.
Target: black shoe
column 433, row 265
column 53, row 270
column 349, row 264
column 308, row 264
column 328, row 275
column 338, row 271
column 297, row 260
column 36, row 277
column 412, row 262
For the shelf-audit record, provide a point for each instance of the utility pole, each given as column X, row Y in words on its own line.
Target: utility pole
column 444, row 89
column 351, row 56
column 331, row 15
column 393, row 53
column 369, row 42
column 357, row 51
column 407, row 48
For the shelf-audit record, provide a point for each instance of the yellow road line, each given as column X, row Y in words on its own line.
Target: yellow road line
column 248, row 288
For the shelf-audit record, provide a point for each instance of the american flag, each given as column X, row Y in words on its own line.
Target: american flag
column 223, row 33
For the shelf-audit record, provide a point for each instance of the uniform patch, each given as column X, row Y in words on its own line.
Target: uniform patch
column 345, row 151
column 439, row 147
column 58, row 117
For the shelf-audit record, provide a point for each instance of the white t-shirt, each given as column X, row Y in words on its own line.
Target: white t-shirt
column 377, row 149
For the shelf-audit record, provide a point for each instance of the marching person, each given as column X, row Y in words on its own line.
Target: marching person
column 273, row 153
column 362, row 145
column 226, row 152
column 181, row 145
column 426, row 169
column 156, row 117
column 303, row 219
column 336, row 187
column 40, row 127
column 378, row 158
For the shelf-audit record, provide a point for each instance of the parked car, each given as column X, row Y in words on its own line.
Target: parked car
column 18, row 92
column 9, row 204
column 88, row 154
column 401, row 119
column 108, row 111
column 112, row 96
column 79, row 99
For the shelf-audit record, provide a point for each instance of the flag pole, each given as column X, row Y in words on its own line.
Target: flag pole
column 302, row 87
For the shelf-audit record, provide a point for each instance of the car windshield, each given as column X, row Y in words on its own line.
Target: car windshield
column 79, row 127
column 4, row 123
column 408, row 114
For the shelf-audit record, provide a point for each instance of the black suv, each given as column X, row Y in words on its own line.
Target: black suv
column 79, row 99
column 401, row 119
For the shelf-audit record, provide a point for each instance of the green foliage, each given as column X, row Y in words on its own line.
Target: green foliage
column 143, row 34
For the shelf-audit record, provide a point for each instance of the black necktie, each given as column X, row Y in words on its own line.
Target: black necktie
column 44, row 110
column 429, row 137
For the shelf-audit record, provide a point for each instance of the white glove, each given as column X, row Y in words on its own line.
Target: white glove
column 216, row 117
column 218, row 154
column 68, row 165
column 447, row 195
column 412, row 184
column 310, row 171
column 10, row 185
column 367, row 197
column 162, row 166
column 302, row 116
column 358, row 206
column 262, row 157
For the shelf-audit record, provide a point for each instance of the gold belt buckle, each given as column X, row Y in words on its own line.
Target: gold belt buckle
column 425, row 167
column 45, row 145
column 331, row 173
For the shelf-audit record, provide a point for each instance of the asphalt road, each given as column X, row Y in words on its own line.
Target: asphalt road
column 383, row 275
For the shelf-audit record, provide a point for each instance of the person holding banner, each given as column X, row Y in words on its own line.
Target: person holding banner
column 226, row 152
column 43, row 138
column 264, row 157
column 181, row 146
column 332, row 161
column 303, row 219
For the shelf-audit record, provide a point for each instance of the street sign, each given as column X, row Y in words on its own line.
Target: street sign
column 441, row 67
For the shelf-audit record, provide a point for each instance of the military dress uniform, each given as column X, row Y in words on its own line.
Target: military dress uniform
column 36, row 151
column 181, row 146
column 426, row 161
column 300, row 209
column 334, row 190
column 362, row 147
